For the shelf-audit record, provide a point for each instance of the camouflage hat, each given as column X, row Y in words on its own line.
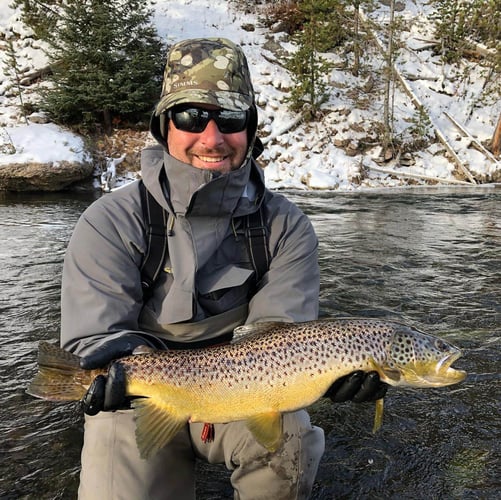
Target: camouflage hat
column 209, row 71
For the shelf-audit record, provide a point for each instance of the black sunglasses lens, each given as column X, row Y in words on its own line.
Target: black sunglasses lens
column 230, row 122
column 196, row 119
column 190, row 120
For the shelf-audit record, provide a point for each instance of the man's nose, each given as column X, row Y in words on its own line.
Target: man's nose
column 212, row 136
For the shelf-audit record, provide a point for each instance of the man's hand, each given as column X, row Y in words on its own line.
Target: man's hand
column 108, row 351
column 107, row 392
column 358, row 386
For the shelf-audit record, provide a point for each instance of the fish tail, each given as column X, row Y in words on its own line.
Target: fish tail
column 59, row 376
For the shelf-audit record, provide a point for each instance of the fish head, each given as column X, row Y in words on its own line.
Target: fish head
column 416, row 359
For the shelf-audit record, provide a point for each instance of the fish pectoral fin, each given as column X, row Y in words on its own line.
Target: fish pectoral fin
column 386, row 373
column 267, row 429
column 156, row 425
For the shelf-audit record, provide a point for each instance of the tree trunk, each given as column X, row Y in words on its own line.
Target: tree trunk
column 389, row 77
column 356, row 50
column 496, row 139
column 108, row 129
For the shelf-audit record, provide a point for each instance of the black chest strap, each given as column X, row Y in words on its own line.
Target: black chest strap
column 256, row 234
column 155, row 217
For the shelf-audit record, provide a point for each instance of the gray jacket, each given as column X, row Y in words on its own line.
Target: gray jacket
column 203, row 291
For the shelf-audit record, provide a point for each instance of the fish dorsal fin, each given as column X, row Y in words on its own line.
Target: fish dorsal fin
column 241, row 332
column 155, row 425
column 267, row 429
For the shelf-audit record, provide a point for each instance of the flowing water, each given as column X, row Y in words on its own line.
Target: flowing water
column 430, row 258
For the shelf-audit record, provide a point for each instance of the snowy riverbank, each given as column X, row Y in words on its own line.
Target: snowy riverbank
column 327, row 154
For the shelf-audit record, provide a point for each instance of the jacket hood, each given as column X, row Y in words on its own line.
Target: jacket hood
column 207, row 71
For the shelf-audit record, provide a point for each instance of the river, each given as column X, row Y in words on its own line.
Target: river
column 428, row 257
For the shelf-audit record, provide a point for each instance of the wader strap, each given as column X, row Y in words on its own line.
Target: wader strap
column 155, row 218
column 256, row 234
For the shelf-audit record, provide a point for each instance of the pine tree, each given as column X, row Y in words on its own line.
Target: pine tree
column 107, row 63
column 359, row 39
column 11, row 71
column 40, row 15
column 459, row 24
column 321, row 31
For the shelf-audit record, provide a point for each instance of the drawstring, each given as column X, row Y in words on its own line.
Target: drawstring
column 234, row 229
column 170, row 225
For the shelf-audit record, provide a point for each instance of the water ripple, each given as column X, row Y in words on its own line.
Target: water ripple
column 429, row 258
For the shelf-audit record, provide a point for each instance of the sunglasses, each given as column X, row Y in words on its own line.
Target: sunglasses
column 190, row 119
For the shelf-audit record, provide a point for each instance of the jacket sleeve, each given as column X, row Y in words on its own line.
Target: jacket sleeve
column 101, row 295
column 289, row 291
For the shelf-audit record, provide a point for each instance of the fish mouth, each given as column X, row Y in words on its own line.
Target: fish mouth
column 446, row 372
column 432, row 373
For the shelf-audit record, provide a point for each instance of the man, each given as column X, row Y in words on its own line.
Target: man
column 203, row 173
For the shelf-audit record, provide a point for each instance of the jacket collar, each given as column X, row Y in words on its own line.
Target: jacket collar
column 194, row 191
column 190, row 191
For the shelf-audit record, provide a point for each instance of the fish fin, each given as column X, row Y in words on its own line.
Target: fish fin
column 378, row 417
column 390, row 375
column 59, row 376
column 143, row 349
column 243, row 331
column 156, row 425
column 267, row 429
column 387, row 374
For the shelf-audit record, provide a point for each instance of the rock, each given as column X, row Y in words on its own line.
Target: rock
column 352, row 148
column 248, row 27
column 38, row 118
column 54, row 176
column 407, row 160
column 42, row 157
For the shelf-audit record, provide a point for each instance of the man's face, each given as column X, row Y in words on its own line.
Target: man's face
column 210, row 149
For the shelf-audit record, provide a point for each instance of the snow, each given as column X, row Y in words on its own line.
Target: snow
column 43, row 143
column 297, row 155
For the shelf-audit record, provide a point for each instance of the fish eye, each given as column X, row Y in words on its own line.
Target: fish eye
column 440, row 345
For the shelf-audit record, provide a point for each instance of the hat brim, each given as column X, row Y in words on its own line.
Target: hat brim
column 233, row 101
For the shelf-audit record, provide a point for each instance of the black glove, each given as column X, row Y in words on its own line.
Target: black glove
column 107, row 392
column 358, row 386
column 108, row 351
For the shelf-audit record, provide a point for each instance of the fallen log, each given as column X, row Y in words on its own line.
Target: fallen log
column 477, row 144
column 415, row 176
column 28, row 78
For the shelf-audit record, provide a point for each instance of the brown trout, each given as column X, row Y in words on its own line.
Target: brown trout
column 269, row 368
